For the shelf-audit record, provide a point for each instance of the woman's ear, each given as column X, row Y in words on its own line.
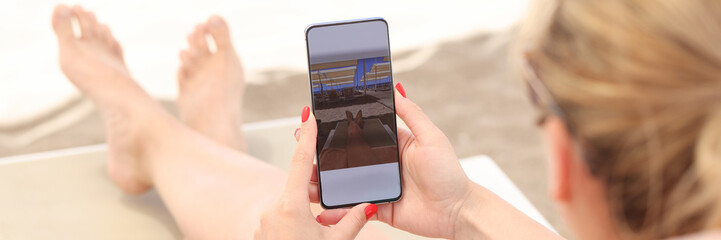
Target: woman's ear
column 560, row 151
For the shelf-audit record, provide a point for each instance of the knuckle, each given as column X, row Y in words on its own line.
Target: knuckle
column 288, row 214
column 301, row 156
column 269, row 213
column 265, row 219
column 357, row 220
column 435, row 133
column 258, row 234
column 417, row 108
column 337, row 235
column 305, row 129
column 286, row 209
column 313, row 192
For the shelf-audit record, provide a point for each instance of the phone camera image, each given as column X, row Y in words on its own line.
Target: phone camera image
column 354, row 106
column 352, row 93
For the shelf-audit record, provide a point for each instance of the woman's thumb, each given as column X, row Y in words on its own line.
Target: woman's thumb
column 349, row 226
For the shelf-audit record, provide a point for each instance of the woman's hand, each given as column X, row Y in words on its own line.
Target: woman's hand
column 438, row 198
column 290, row 217
column 434, row 184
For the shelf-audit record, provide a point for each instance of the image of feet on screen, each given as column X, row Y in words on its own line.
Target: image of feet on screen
column 354, row 109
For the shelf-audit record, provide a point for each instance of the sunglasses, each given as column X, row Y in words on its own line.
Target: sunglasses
column 547, row 106
column 539, row 94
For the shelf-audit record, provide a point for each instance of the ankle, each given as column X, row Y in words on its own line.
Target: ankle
column 153, row 131
column 156, row 141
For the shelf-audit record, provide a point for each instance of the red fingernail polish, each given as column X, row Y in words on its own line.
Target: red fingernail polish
column 317, row 219
column 371, row 210
column 296, row 131
column 306, row 114
column 402, row 91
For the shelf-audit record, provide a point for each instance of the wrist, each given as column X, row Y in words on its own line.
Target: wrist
column 484, row 215
column 466, row 213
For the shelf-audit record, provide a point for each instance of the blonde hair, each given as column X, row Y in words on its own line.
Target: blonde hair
column 640, row 81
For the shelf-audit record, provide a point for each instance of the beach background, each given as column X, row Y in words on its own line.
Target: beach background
column 451, row 57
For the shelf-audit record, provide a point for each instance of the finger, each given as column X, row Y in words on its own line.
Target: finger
column 313, row 193
column 419, row 124
column 314, row 176
column 404, row 136
column 354, row 220
column 296, row 134
column 301, row 164
column 385, row 211
column 332, row 216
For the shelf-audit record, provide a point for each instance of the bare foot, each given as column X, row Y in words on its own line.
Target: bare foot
column 94, row 63
column 211, row 85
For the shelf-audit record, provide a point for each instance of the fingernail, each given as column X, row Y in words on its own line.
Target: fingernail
column 296, row 131
column 371, row 210
column 402, row 91
column 317, row 219
column 306, row 114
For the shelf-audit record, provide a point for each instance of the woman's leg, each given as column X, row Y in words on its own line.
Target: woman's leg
column 212, row 191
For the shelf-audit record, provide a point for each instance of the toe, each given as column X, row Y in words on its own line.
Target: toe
column 182, row 75
column 107, row 36
column 87, row 22
column 218, row 28
column 104, row 33
column 118, row 49
column 197, row 40
column 109, row 40
column 186, row 58
column 62, row 23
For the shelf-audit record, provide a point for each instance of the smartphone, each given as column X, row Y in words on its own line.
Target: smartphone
column 351, row 86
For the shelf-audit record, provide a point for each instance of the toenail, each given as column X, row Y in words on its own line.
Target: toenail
column 216, row 22
column 65, row 12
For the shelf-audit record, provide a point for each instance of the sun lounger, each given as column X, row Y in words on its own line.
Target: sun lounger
column 66, row 194
column 373, row 128
column 333, row 96
column 378, row 136
column 348, row 93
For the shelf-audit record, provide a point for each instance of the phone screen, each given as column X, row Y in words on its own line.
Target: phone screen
column 352, row 95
